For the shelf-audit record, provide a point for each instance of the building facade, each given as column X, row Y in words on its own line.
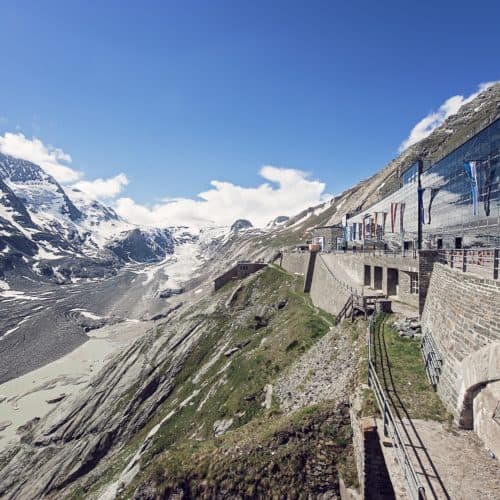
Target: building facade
column 457, row 203
column 328, row 236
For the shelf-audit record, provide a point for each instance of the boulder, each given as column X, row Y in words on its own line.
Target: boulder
column 222, row 426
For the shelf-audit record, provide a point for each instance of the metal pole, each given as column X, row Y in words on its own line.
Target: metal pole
column 386, row 434
column 420, row 203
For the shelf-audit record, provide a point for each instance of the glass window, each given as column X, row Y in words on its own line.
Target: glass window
column 411, row 175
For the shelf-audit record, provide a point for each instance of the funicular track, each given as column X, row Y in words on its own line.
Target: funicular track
column 421, row 462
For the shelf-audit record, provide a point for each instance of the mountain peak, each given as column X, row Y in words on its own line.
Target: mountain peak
column 240, row 225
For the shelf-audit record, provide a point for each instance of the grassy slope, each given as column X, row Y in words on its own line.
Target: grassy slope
column 233, row 388
column 401, row 371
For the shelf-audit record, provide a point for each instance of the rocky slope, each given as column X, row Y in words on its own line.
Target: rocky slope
column 205, row 371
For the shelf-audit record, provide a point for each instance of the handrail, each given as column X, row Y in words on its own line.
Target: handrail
column 432, row 359
column 402, row 253
column 484, row 261
column 345, row 308
column 416, row 490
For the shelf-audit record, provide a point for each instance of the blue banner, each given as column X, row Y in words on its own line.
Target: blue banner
column 471, row 171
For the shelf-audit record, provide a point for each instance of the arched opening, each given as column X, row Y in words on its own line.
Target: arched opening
column 478, row 404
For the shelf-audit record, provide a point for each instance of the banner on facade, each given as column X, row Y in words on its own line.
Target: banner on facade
column 471, row 171
column 394, row 211
column 401, row 217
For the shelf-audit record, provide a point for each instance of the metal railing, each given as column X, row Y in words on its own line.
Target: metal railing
column 348, row 288
column 402, row 254
column 346, row 310
column 432, row 359
column 482, row 261
column 416, row 490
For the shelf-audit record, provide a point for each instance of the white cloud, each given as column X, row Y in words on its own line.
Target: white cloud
column 53, row 160
column 103, row 188
column 56, row 163
column 225, row 202
column 450, row 107
column 286, row 191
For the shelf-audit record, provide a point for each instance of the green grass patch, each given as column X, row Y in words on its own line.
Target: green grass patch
column 401, row 370
column 233, row 386
column 296, row 455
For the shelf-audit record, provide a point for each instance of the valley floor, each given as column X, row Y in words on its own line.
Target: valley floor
column 41, row 323
column 238, row 393
column 54, row 339
column 34, row 394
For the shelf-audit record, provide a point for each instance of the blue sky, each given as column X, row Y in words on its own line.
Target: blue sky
column 177, row 94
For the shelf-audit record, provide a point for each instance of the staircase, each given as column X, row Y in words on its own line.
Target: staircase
column 276, row 256
column 362, row 303
column 347, row 310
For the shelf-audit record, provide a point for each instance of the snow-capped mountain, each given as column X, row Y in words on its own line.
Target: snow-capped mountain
column 44, row 226
column 39, row 191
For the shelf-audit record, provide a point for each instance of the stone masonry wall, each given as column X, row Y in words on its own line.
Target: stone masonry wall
column 463, row 315
column 295, row 262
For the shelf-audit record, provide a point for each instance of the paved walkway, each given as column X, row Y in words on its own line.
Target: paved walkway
column 451, row 464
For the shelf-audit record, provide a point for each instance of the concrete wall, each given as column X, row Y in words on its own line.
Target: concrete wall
column 229, row 275
column 327, row 291
column 239, row 271
column 311, row 264
column 295, row 262
column 404, row 290
column 485, row 406
column 348, row 268
column 336, row 275
column 403, row 265
column 462, row 314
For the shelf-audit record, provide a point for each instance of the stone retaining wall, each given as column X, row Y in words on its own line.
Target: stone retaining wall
column 374, row 479
column 462, row 314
